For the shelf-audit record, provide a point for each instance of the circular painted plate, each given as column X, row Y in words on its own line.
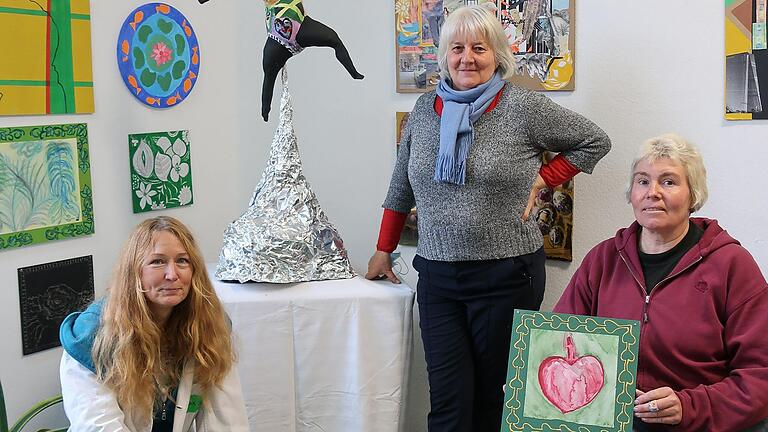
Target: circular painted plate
column 158, row 55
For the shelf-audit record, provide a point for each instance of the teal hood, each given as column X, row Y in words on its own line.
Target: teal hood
column 78, row 331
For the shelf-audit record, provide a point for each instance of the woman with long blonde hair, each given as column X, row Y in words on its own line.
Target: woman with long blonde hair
column 155, row 354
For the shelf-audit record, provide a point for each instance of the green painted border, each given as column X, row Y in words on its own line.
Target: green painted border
column 514, row 397
column 75, row 229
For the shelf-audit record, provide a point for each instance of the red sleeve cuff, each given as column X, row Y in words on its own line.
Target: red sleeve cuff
column 557, row 171
column 392, row 223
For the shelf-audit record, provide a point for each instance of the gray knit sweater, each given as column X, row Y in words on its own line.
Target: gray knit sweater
column 481, row 219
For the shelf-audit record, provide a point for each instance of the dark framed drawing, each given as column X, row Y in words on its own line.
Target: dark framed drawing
column 45, row 184
column 47, row 294
column 570, row 373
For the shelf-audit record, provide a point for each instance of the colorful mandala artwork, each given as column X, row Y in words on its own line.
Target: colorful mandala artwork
column 158, row 55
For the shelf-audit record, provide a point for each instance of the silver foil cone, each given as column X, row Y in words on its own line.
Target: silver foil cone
column 284, row 236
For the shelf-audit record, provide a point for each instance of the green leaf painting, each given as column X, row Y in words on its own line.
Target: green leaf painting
column 45, row 184
column 570, row 373
column 161, row 171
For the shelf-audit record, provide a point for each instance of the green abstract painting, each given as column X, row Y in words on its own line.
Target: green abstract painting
column 570, row 373
column 45, row 184
column 161, row 171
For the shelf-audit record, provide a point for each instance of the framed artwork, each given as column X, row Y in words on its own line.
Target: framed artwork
column 161, row 170
column 47, row 294
column 46, row 51
column 570, row 373
column 541, row 35
column 45, row 184
column 553, row 211
column 158, row 55
column 746, row 60
column 410, row 234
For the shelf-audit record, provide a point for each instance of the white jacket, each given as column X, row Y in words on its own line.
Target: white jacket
column 92, row 407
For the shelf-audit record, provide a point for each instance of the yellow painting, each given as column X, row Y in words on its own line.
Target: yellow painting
column 45, row 57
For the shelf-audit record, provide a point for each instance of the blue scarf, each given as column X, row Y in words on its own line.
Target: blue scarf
column 461, row 109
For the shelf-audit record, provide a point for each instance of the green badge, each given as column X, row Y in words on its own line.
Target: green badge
column 194, row 403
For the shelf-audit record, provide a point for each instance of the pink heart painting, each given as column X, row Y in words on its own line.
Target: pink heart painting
column 572, row 382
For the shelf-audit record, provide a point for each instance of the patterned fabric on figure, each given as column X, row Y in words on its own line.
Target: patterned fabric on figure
column 289, row 31
column 284, row 20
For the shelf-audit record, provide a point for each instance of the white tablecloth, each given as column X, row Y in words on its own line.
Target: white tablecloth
column 327, row 356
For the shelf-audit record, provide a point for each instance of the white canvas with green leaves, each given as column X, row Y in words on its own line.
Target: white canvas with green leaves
column 161, row 170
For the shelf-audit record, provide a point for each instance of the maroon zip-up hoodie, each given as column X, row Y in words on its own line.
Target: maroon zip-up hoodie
column 704, row 328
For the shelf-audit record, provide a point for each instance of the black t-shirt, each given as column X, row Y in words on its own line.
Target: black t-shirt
column 658, row 266
column 163, row 418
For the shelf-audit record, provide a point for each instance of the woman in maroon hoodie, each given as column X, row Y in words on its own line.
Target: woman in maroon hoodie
column 699, row 295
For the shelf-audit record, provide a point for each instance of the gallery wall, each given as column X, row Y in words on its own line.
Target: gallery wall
column 207, row 114
column 642, row 68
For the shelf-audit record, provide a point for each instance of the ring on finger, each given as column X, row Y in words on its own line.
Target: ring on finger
column 653, row 407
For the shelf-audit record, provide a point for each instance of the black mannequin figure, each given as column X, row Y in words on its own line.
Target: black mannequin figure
column 289, row 31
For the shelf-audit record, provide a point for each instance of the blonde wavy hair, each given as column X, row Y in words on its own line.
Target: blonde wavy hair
column 132, row 355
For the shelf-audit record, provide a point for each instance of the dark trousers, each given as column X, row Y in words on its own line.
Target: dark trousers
column 466, row 311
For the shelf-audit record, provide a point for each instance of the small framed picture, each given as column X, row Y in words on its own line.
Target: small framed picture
column 45, row 184
column 47, row 294
column 570, row 373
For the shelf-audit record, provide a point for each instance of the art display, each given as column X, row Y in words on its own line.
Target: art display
column 284, row 236
column 746, row 60
column 410, row 234
column 46, row 50
column 541, row 34
column 158, row 55
column 289, row 31
column 47, row 294
column 553, row 210
column 570, row 373
column 161, row 170
column 45, row 184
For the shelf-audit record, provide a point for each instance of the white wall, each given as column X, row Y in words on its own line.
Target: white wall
column 643, row 68
column 207, row 113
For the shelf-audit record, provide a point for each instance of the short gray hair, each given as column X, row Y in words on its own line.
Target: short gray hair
column 476, row 20
column 677, row 149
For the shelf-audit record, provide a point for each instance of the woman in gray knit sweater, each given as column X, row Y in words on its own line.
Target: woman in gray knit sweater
column 470, row 160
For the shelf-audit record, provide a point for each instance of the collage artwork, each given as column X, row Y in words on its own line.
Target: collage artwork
column 746, row 59
column 541, row 35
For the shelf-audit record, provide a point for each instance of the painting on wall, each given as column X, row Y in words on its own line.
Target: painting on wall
column 410, row 234
column 158, row 55
column 46, row 52
column 161, row 170
column 553, row 210
column 746, row 60
column 570, row 372
column 45, row 184
column 541, row 35
column 47, row 294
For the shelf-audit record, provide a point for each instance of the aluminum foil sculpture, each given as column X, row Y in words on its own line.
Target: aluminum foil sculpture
column 284, row 236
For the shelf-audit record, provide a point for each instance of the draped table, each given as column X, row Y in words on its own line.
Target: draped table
column 327, row 356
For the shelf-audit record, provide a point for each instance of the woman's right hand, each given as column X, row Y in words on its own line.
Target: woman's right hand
column 380, row 267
